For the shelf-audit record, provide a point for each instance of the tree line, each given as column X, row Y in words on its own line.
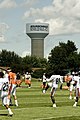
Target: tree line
column 62, row 58
column 19, row 64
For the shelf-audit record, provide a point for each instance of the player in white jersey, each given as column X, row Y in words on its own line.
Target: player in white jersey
column 28, row 79
column 77, row 81
column 72, row 86
column 55, row 81
column 49, row 84
column 4, row 85
column 6, row 76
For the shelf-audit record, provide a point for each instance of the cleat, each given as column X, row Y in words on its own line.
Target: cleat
column 10, row 104
column 10, row 113
column 54, row 105
column 44, row 91
column 16, row 105
column 70, row 97
column 75, row 104
column 74, row 98
column 29, row 87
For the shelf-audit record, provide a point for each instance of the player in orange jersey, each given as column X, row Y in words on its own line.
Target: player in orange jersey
column 12, row 86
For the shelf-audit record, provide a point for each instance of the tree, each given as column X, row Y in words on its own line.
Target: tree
column 18, row 64
column 7, row 58
column 62, row 57
column 33, row 61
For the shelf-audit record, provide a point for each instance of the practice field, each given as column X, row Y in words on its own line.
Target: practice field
column 34, row 105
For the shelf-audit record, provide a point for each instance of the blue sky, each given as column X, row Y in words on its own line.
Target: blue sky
column 63, row 17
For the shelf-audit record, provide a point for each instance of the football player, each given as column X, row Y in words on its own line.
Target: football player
column 72, row 86
column 4, row 85
column 77, row 82
column 28, row 79
column 55, row 81
column 12, row 86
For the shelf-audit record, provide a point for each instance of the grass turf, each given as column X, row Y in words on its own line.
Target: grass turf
column 34, row 105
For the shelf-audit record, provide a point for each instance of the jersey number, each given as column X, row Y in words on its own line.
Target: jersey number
column 57, row 80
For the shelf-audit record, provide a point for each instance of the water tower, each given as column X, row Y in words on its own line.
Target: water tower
column 37, row 32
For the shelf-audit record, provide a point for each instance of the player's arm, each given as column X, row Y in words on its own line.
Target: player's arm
column 49, row 80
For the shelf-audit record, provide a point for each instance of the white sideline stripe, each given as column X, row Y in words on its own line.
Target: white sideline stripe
column 55, row 117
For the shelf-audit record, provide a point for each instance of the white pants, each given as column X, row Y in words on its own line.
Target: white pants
column 53, row 90
column 50, row 84
column 13, row 91
column 72, row 87
column 4, row 97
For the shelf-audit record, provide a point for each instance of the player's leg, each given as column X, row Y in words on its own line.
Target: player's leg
column 47, row 86
column 77, row 97
column 52, row 96
column 71, row 88
column 29, row 83
column 74, row 92
column 10, row 103
column 7, row 107
column 5, row 102
column 44, row 85
column 14, row 95
column 61, row 86
column 15, row 99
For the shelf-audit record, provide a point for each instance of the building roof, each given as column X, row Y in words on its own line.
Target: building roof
column 4, row 68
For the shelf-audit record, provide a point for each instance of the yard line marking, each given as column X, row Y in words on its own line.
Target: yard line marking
column 37, row 107
column 20, row 109
column 15, row 109
column 43, row 117
column 55, row 117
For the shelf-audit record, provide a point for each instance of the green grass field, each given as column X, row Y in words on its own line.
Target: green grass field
column 34, row 105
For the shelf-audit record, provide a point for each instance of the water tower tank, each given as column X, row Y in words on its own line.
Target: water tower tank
column 37, row 32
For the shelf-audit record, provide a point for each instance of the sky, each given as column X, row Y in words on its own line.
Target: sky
column 63, row 17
